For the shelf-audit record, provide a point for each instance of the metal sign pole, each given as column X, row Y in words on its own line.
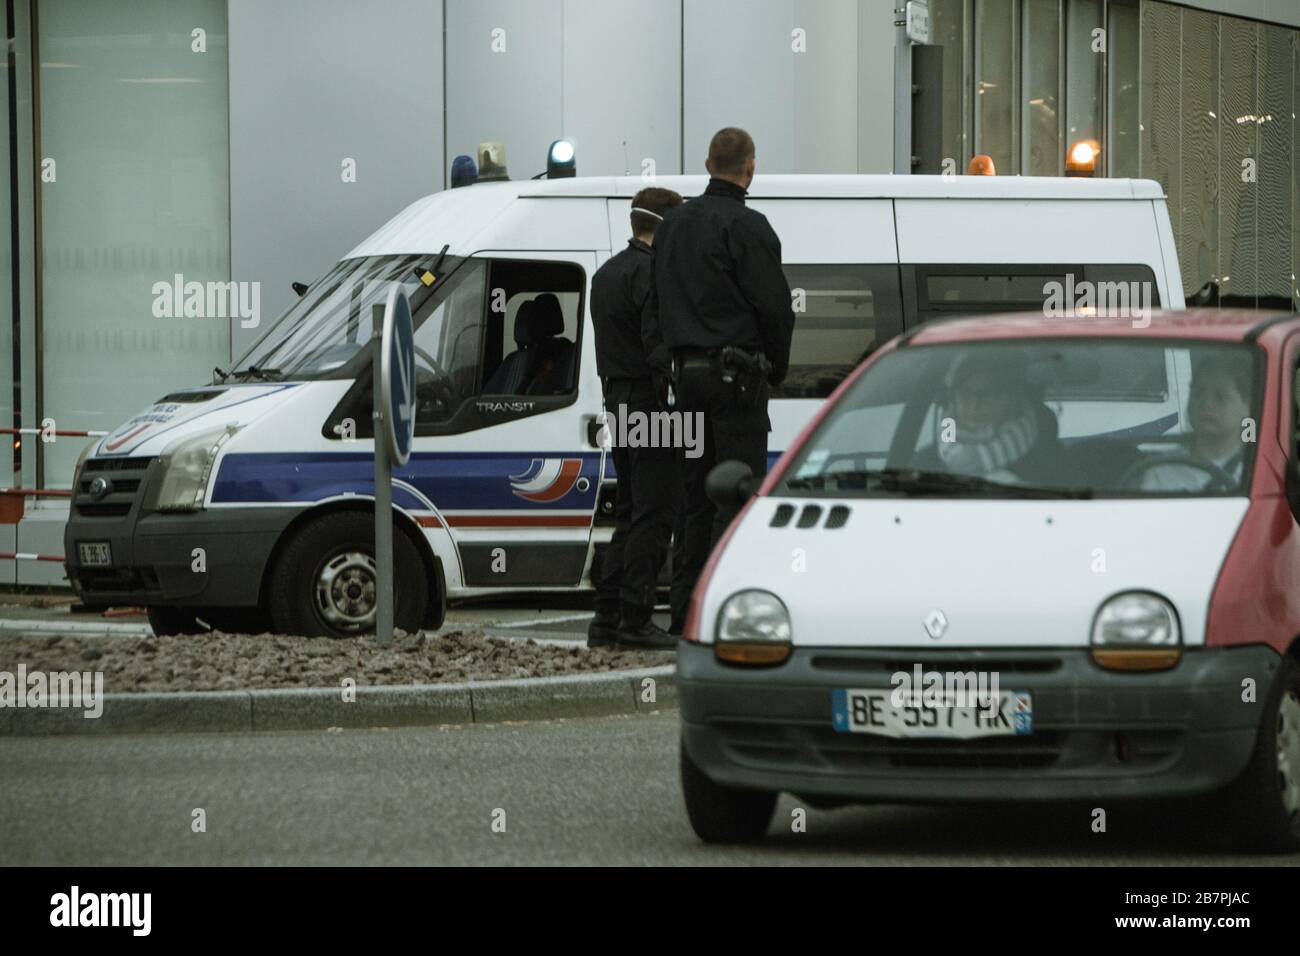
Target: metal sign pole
column 383, row 496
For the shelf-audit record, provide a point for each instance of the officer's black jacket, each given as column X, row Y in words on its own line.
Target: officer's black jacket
column 718, row 281
column 620, row 291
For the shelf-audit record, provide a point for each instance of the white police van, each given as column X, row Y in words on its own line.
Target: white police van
column 247, row 502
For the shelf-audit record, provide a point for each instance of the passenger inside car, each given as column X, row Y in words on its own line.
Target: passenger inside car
column 1218, row 410
column 996, row 425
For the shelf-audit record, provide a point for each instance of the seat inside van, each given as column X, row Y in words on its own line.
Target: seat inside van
column 543, row 360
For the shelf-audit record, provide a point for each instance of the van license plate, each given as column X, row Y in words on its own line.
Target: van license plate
column 872, row 712
column 95, row 554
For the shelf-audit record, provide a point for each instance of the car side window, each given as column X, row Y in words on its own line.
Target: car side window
column 1295, row 413
column 841, row 312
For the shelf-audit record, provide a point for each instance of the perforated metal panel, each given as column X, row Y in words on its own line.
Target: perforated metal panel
column 1238, row 212
column 1295, row 167
column 1198, row 198
column 1161, row 128
column 1276, row 157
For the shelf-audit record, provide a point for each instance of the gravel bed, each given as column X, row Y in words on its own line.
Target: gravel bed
column 219, row 661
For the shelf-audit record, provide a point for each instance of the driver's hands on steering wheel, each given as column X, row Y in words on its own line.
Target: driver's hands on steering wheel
column 1217, row 480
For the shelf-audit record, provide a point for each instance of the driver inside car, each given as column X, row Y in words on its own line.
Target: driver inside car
column 1218, row 408
column 997, row 426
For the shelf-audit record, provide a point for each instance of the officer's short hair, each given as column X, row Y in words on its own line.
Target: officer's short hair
column 729, row 150
column 655, row 202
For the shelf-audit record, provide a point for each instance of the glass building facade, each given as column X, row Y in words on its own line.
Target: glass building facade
column 1202, row 102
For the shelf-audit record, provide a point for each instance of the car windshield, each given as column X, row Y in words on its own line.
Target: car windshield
column 326, row 328
column 1050, row 419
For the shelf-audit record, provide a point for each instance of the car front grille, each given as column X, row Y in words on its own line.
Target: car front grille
column 125, row 477
column 890, row 662
column 817, row 748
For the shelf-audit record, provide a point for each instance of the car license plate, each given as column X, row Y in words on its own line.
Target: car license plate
column 872, row 712
column 94, row 553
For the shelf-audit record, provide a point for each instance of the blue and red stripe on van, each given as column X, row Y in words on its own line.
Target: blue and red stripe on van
column 470, row 489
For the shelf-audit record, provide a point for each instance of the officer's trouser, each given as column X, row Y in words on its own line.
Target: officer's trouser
column 645, row 511
column 731, row 431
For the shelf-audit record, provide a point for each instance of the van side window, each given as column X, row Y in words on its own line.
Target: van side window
column 962, row 289
column 841, row 312
column 532, row 328
column 495, row 338
column 448, row 343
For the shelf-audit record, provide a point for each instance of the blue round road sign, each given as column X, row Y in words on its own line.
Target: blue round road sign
column 397, row 375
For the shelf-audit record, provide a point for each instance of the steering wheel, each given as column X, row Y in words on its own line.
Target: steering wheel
column 432, row 362
column 1220, row 480
column 435, row 406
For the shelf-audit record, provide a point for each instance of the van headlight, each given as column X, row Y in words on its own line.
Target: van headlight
column 186, row 467
column 754, row 629
column 1136, row 630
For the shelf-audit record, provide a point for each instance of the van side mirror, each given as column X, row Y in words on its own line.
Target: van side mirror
column 300, row 287
column 730, row 484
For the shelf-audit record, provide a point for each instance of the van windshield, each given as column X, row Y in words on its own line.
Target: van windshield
column 326, row 328
column 1050, row 419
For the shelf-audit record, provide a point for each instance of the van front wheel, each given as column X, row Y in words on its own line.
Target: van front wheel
column 173, row 621
column 324, row 582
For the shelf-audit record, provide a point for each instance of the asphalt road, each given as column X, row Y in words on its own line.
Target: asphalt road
column 594, row 791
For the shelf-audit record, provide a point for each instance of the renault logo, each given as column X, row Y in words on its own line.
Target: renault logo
column 99, row 487
column 936, row 623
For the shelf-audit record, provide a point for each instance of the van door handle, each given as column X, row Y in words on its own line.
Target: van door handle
column 593, row 430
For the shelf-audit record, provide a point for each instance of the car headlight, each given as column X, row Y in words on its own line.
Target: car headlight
column 186, row 467
column 754, row 629
column 1136, row 630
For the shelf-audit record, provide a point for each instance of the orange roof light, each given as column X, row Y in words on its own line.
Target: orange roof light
column 981, row 165
column 1081, row 160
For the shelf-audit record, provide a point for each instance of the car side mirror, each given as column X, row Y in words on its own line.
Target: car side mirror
column 1293, row 481
column 730, row 484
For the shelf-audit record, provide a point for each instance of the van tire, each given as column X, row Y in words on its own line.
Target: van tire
column 337, row 538
column 1256, row 810
column 721, row 814
column 237, row 620
column 173, row 621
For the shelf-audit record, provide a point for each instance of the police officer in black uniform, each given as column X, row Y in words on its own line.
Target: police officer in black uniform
column 719, row 325
column 648, row 477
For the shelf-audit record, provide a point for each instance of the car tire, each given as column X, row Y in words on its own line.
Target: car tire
column 721, row 814
column 1263, row 804
column 173, row 621
column 337, row 550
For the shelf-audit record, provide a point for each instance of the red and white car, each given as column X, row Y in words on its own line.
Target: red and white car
column 1016, row 559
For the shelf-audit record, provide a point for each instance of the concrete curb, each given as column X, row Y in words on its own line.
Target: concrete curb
column 316, row 708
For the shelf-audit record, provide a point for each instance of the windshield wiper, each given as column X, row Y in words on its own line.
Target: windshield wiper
column 265, row 374
column 917, row 481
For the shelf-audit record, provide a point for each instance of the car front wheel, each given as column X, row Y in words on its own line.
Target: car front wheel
column 721, row 814
column 1263, row 805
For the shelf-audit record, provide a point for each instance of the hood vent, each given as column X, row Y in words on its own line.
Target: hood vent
column 782, row 516
column 837, row 517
